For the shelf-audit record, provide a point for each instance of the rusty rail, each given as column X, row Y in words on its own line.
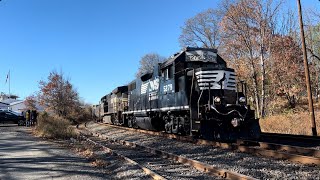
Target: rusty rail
column 270, row 150
column 290, row 149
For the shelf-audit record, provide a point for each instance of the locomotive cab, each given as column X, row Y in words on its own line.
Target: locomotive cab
column 218, row 106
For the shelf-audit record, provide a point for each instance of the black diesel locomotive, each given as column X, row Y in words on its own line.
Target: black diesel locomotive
column 192, row 93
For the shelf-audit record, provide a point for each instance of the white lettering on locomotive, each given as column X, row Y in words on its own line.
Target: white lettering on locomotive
column 144, row 87
column 201, row 55
column 153, row 96
column 167, row 88
column 154, row 86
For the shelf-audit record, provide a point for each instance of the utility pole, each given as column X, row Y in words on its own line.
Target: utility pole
column 9, row 84
column 306, row 69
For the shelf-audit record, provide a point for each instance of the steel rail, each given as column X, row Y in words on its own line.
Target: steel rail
column 280, row 155
column 203, row 167
column 289, row 149
column 291, row 137
column 265, row 149
column 113, row 152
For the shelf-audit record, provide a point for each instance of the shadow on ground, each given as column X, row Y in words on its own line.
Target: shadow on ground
column 25, row 157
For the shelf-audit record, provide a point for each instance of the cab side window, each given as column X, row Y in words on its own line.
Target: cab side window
column 170, row 72
column 167, row 73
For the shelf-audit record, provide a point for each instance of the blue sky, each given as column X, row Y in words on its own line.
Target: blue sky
column 96, row 43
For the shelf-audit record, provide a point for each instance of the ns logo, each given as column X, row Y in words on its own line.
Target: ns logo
column 154, row 86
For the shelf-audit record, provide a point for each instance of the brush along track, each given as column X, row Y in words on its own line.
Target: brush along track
column 277, row 151
column 161, row 162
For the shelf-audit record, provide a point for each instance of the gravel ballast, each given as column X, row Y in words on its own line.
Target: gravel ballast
column 166, row 168
column 247, row 164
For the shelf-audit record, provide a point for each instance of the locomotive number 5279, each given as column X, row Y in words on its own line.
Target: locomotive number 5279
column 167, row 88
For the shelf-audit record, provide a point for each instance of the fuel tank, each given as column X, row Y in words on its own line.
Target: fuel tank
column 145, row 122
column 107, row 119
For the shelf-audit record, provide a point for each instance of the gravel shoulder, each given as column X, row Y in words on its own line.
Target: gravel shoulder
column 23, row 156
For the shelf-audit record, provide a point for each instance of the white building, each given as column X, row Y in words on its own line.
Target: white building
column 6, row 97
column 12, row 103
column 4, row 105
column 17, row 106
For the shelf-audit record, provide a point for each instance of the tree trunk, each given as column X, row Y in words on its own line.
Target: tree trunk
column 262, row 107
column 255, row 89
column 317, row 85
column 255, row 86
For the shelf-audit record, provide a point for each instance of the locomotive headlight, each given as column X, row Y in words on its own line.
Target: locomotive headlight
column 242, row 100
column 217, row 100
column 235, row 122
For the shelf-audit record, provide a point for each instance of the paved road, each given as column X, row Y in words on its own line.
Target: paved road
column 23, row 156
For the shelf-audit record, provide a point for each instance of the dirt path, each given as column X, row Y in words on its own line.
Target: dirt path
column 23, row 156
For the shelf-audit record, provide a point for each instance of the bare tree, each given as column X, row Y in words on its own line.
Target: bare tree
column 268, row 11
column 247, row 29
column 240, row 36
column 147, row 63
column 313, row 48
column 201, row 30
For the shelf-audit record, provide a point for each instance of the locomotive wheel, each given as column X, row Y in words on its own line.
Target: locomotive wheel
column 175, row 130
column 134, row 122
column 168, row 127
column 135, row 125
column 130, row 122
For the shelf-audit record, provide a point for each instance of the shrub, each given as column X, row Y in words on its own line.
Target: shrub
column 54, row 127
column 80, row 115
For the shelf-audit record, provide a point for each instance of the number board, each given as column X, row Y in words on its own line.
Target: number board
column 200, row 55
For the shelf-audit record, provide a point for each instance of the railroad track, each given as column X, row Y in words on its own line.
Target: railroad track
column 159, row 164
column 289, row 139
column 295, row 154
column 113, row 152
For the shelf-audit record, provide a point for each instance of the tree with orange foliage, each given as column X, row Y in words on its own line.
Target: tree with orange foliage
column 30, row 102
column 286, row 72
column 58, row 95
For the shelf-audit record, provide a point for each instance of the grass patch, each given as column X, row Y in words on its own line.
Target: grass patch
column 54, row 127
column 290, row 123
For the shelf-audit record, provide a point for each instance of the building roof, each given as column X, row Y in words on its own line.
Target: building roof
column 9, row 101
column 4, row 103
column 16, row 102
